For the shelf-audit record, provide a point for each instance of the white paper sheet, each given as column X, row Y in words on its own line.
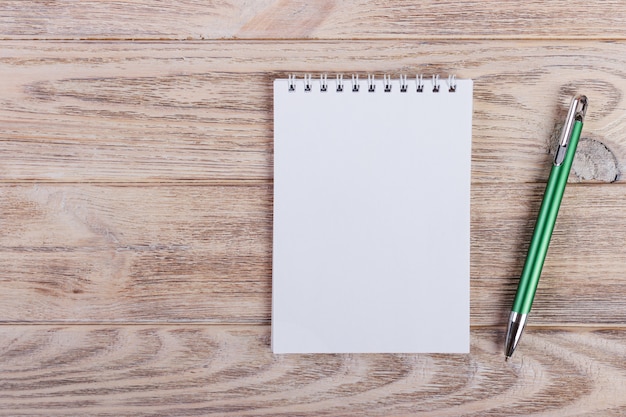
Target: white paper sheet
column 371, row 219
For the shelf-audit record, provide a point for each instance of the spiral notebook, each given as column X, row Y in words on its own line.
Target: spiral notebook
column 371, row 238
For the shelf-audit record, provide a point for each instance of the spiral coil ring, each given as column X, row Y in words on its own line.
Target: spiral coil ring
column 387, row 84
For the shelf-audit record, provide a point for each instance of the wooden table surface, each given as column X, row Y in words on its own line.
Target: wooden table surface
column 136, row 206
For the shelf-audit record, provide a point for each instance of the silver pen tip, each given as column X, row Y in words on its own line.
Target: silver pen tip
column 517, row 322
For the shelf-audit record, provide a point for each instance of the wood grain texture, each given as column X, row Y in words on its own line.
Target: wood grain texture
column 154, row 112
column 85, row 253
column 288, row 19
column 89, row 253
column 229, row 371
column 136, row 206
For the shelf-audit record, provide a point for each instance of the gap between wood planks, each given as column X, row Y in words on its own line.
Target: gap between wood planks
column 249, row 183
column 591, row 327
column 447, row 38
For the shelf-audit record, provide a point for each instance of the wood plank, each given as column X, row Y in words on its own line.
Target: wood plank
column 154, row 112
column 584, row 261
column 99, row 253
column 230, row 371
column 85, row 253
column 284, row 19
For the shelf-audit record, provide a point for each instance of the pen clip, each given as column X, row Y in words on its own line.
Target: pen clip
column 577, row 111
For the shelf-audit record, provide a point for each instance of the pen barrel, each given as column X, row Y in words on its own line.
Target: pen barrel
column 546, row 220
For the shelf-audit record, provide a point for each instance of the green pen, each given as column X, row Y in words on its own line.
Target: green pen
column 545, row 223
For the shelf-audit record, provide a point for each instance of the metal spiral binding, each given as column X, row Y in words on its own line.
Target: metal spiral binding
column 420, row 83
column 371, row 86
column 403, row 84
column 371, row 83
column 355, row 83
column 387, row 83
column 451, row 83
column 436, row 84
column 339, row 83
column 292, row 83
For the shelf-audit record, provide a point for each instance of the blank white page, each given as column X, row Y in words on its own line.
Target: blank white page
column 371, row 238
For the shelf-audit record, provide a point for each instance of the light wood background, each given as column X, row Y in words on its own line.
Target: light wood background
column 136, row 206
